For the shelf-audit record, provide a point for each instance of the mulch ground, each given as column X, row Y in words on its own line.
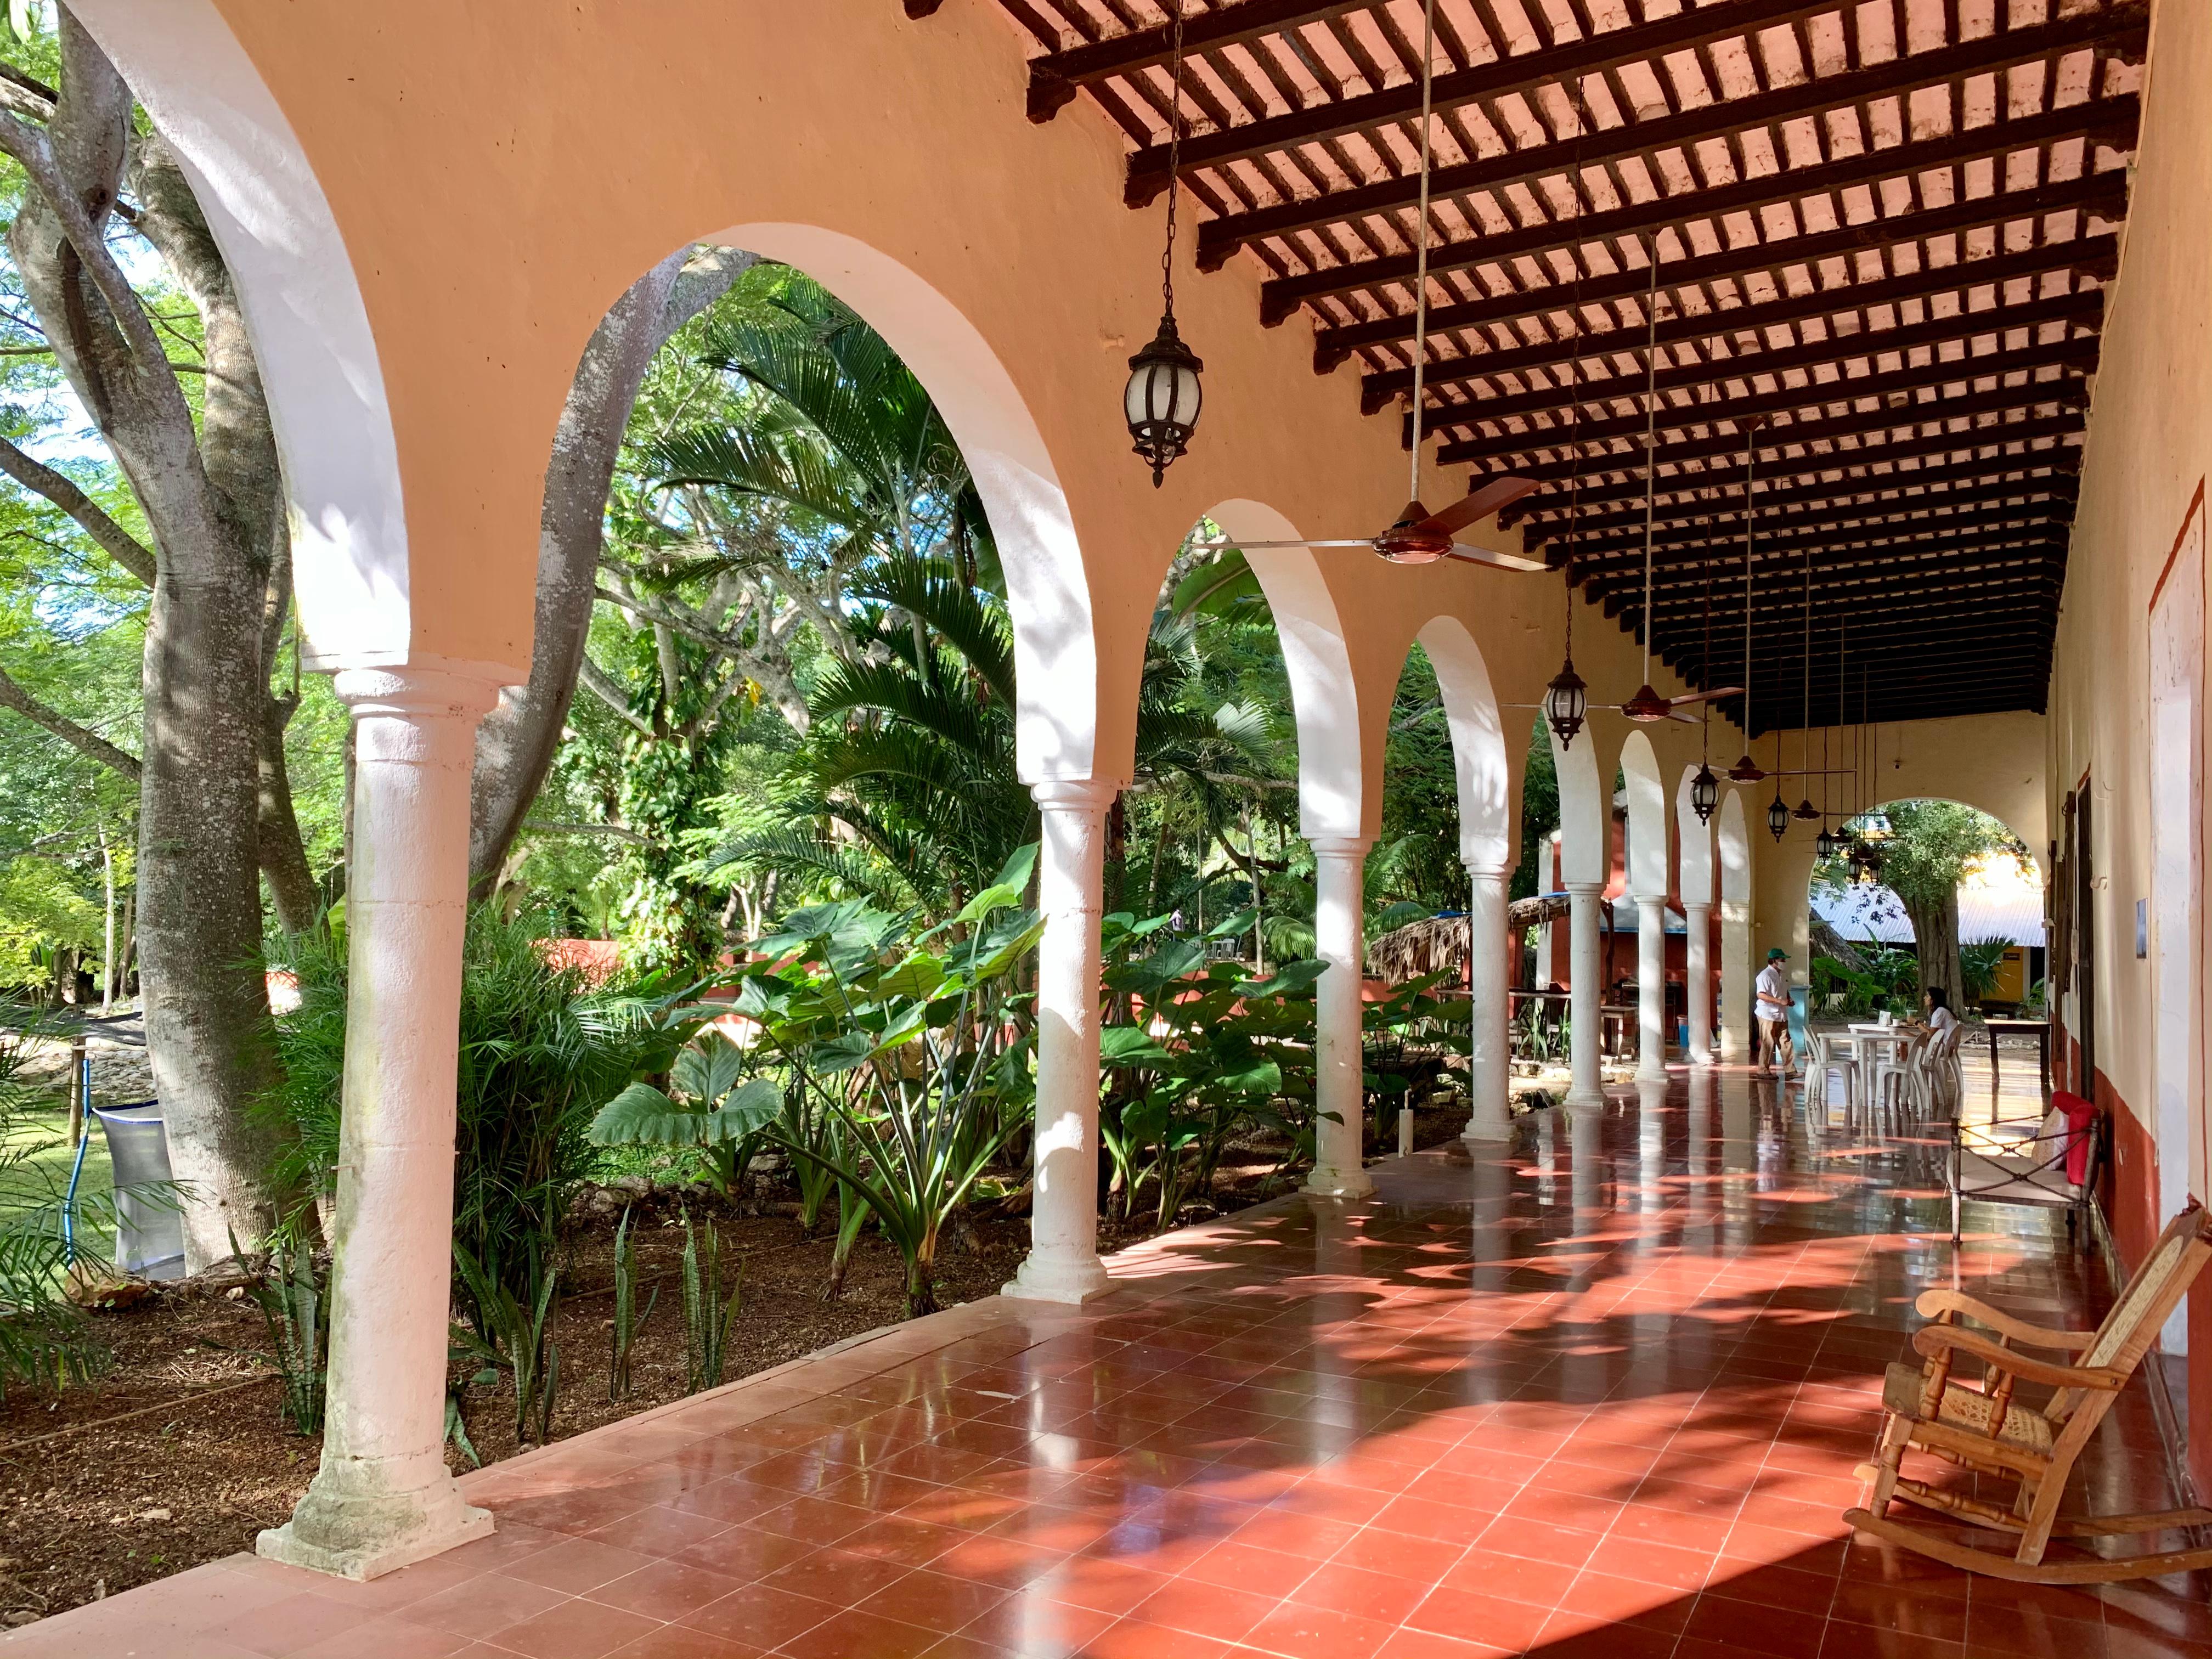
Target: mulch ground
column 177, row 1454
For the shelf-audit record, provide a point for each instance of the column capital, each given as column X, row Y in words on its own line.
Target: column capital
column 1340, row 847
column 1485, row 872
column 1691, row 907
column 1075, row 795
column 1584, row 888
column 415, row 691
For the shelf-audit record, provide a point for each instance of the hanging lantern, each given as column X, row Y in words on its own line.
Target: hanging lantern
column 1162, row 399
column 1566, row 700
column 1704, row 794
column 1777, row 817
column 1746, row 770
column 1824, row 844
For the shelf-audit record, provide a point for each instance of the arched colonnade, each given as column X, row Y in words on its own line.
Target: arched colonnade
column 416, row 349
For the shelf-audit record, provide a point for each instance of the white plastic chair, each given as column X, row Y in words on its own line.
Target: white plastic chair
column 1900, row 1082
column 1824, row 1063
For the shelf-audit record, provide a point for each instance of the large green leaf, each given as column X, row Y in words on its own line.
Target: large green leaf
column 710, row 1069
column 642, row 1115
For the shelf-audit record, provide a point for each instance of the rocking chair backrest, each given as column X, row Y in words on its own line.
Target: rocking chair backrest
column 2161, row 1281
column 2133, row 1324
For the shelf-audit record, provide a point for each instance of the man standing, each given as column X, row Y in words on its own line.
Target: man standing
column 1772, row 1010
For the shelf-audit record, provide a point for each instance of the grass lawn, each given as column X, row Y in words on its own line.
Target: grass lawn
column 42, row 1177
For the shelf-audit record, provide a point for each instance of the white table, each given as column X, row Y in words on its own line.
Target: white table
column 1875, row 1043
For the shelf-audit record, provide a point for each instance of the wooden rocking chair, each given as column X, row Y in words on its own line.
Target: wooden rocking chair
column 1988, row 1430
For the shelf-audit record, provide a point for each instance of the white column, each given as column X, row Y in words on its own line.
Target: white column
column 1490, row 1054
column 1735, row 981
column 382, row 1496
column 1062, row 1265
column 1651, row 990
column 1586, row 1091
column 1698, row 959
column 1340, row 867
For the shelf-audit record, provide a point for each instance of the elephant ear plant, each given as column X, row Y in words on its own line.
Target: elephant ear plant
column 909, row 1050
column 710, row 1105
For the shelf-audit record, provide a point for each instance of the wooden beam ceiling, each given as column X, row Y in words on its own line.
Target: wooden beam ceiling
column 1883, row 229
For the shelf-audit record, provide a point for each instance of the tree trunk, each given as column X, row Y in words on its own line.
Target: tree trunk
column 1935, row 932
column 284, row 856
column 516, row 744
column 211, row 493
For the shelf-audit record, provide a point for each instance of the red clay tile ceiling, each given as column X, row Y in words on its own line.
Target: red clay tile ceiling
column 1883, row 230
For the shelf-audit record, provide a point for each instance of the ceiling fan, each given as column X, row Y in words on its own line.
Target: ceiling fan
column 1419, row 536
column 1647, row 705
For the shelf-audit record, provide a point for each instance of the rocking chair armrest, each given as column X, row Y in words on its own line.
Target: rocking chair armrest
column 1935, row 1340
column 1934, row 1305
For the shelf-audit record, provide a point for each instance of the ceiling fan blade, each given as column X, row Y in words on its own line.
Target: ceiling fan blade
column 1688, row 697
column 1467, row 555
column 1492, row 495
column 1222, row 547
column 1687, row 720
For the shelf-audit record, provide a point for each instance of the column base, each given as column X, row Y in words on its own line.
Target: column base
column 1575, row 1102
column 363, row 1535
column 1339, row 1183
column 1038, row 1280
column 1488, row 1124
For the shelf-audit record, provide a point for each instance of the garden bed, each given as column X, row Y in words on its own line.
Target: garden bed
column 177, row 1455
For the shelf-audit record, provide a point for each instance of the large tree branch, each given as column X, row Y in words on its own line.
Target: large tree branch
column 515, row 745
column 118, row 544
column 597, row 681
column 85, row 742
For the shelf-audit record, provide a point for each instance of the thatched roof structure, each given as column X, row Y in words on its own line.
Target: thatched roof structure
column 1420, row 947
column 1439, row 943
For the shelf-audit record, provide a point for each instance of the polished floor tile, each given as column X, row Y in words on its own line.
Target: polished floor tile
column 1600, row 1392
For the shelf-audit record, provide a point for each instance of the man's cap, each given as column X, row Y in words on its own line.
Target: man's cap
column 1777, row 954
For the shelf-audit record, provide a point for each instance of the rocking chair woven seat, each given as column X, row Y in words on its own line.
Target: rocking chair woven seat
column 1965, row 1408
column 1986, row 1431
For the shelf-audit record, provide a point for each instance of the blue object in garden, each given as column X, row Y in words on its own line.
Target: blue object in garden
column 1798, row 1049
column 69, row 1201
column 150, row 1232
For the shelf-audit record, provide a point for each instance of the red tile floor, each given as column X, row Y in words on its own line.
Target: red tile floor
column 1600, row 1395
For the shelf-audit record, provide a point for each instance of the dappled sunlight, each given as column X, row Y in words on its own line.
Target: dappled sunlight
column 1322, row 1428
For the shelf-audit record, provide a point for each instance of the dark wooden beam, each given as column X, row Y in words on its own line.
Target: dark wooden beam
column 1725, row 474
column 1511, row 452
column 2110, row 121
column 2105, row 190
column 1693, row 26
column 2034, row 572
column 2084, row 307
column 1904, row 567
column 1056, row 77
column 2095, row 256
column 1721, row 557
column 1686, row 523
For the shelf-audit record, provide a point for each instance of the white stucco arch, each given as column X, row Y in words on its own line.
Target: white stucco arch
column 1694, row 881
column 1647, row 817
column 1478, row 734
column 1732, row 844
column 1585, row 813
column 1324, row 690
column 1048, row 596
column 311, row 338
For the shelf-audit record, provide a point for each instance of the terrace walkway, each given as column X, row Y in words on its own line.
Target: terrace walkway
column 1596, row 1399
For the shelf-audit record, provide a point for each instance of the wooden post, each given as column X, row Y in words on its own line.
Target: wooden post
column 78, row 1105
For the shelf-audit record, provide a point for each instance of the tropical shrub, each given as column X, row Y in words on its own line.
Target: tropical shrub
column 540, row 1046
column 1194, row 1052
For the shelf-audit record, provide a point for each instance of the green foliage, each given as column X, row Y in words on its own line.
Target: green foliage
column 1540, row 815
column 628, row 1323
column 40, row 908
column 706, row 1315
column 909, row 1044
column 711, row 1105
column 511, row 1329
column 1417, row 860
column 1980, row 964
column 1194, row 1052
column 540, row 1046
column 1890, row 982
column 291, row 1295
column 1930, row 845
column 44, row 1341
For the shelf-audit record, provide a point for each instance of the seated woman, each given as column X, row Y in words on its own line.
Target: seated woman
column 1935, row 1002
